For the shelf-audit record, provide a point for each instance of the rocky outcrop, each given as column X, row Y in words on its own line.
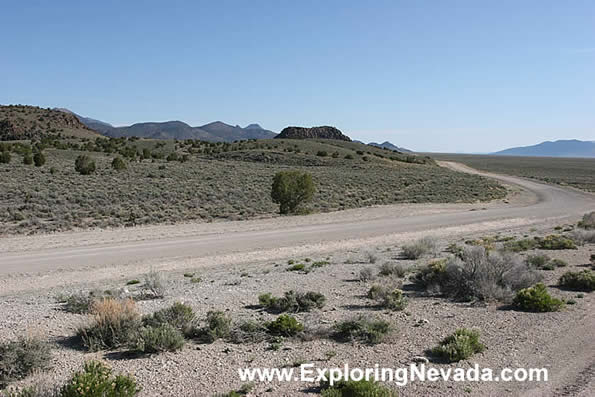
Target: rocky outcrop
column 324, row 132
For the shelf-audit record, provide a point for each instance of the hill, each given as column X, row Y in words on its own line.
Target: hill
column 213, row 132
column 561, row 148
column 323, row 132
column 21, row 122
column 390, row 146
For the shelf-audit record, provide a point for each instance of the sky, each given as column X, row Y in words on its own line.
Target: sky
column 441, row 76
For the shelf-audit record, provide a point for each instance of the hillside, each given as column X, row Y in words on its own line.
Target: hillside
column 205, row 181
column 21, row 122
column 323, row 132
column 212, row 132
column 561, row 148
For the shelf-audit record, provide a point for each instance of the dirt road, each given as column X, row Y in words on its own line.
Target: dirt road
column 19, row 255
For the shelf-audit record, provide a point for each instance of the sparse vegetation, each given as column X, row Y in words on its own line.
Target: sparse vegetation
column 588, row 221
column 21, row 357
column 159, row 338
column 84, row 165
column 153, row 286
column 392, row 269
column 115, row 323
column 536, row 299
column 292, row 302
column 423, row 246
column 578, row 281
column 118, row 164
column 555, row 242
column 367, row 274
column 218, row 327
column 96, row 380
column 388, row 297
column 363, row 329
column 478, row 274
column 285, row 325
column 362, row 388
column 459, row 346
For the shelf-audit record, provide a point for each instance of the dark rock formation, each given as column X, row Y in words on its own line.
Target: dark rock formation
column 324, row 132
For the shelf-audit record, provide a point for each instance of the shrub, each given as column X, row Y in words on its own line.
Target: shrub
column 520, row 245
column 96, row 380
column 479, row 274
column 367, row 330
column 321, row 153
column 388, row 297
column 366, row 274
column 118, row 164
column 27, row 159
column 432, row 276
column 361, row 388
column 115, row 324
column 536, row 299
column 558, row 263
column 5, row 157
column 583, row 236
column 292, row 189
column 555, row 242
column 588, row 221
column 160, row 338
column 292, row 302
column 459, row 346
column 178, row 315
column 84, row 165
column 20, row 358
column 423, row 246
column 298, row 267
column 537, row 261
column 80, row 302
column 172, row 156
column 249, row 331
column 285, row 325
column 218, row 326
column 349, row 157
column 578, row 281
column 39, row 159
column 390, row 269
column 153, row 287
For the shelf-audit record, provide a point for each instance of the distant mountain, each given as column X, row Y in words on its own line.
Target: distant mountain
column 323, row 132
column 212, row 132
column 390, row 146
column 561, row 148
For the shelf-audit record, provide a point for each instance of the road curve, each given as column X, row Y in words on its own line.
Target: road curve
column 553, row 201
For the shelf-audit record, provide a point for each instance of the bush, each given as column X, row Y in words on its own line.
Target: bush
column 172, row 156
column 371, row 331
column 423, row 246
column 536, row 299
column 578, row 281
column 366, row 274
column 537, row 261
column 583, row 236
column 5, row 157
column 80, row 302
column 361, row 388
column 118, row 164
column 84, row 165
column 153, row 287
column 459, row 346
column 115, row 324
column 178, row 315
column 292, row 302
column 20, row 358
column 349, row 157
column 218, row 326
column 249, row 331
column 520, row 245
column 432, row 276
column 39, row 159
column 321, row 153
column 285, row 325
column 558, row 263
column 555, row 242
column 160, row 338
column 292, row 189
column 96, row 380
column 388, row 297
column 479, row 274
column 27, row 159
column 390, row 269
column 588, row 221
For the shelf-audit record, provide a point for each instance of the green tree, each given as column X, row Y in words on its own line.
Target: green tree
column 84, row 165
column 291, row 189
column 39, row 159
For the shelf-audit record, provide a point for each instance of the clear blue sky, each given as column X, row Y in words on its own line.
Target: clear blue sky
column 459, row 76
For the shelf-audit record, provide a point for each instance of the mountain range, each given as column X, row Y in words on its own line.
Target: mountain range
column 216, row 131
column 561, row 148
